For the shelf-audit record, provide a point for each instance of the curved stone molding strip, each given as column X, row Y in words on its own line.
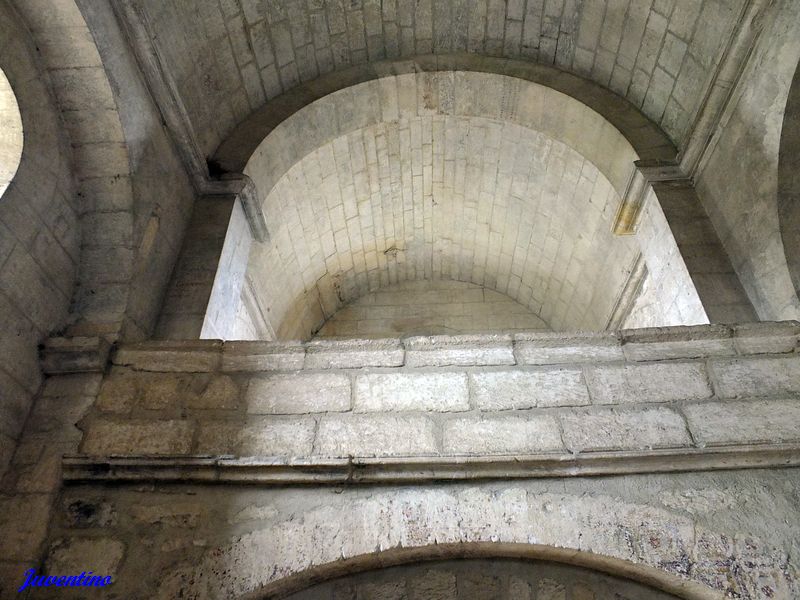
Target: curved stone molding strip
column 643, row 400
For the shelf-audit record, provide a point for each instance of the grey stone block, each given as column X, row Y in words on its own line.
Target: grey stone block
column 745, row 422
column 353, row 354
column 262, row 356
column 462, row 350
column 437, row 392
column 521, row 389
column 659, row 343
column 654, row 382
column 166, row 357
column 756, row 376
column 615, row 429
column 298, row 393
column 766, row 337
column 553, row 348
column 375, row 435
column 501, row 435
column 104, row 437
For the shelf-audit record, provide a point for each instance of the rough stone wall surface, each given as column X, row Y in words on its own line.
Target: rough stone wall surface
column 481, row 579
column 695, row 389
column 235, row 56
column 40, row 232
column 731, row 533
column 738, row 183
column 430, row 308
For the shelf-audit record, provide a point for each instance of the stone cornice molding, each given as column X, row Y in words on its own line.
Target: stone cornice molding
column 424, row 469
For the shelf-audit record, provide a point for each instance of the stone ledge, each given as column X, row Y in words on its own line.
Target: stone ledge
column 418, row 469
column 534, row 348
column 75, row 355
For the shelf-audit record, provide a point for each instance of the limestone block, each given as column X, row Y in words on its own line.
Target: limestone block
column 617, row 429
column 501, row 435
column 222, row 393
column 392, row 590
column 440, row 392
column 105, row 437
column 299, row 393
column 547, row 348
column 75, row 555
column 161, row 391
column 766, row 337
column 262, row 356
column 756, row 376
column 118, row 393
column 263, row 436
column 375, row 435
column 462, row 350
column 659, row 343
column 654, row 382
column 518, row 389
column 188, row 356
column 353, row 354
column 750, row 421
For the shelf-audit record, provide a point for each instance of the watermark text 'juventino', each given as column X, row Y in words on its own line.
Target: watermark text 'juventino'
column 83, row 580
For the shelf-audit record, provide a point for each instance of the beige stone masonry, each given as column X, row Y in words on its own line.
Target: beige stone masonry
column 678, row 389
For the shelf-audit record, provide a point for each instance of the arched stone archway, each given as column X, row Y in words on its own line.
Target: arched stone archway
column 789, row 181
column 330, row 176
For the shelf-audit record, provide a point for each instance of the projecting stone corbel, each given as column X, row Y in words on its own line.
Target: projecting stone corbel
column 646, row 173
column 67, row 355
column 241, row 186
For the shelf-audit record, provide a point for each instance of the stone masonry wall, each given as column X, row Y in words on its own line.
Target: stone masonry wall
column 448, row 463
column 40, row 233
column 678, row 388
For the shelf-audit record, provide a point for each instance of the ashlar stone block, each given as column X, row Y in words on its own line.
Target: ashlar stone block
column 299, row 393
column 389, row 392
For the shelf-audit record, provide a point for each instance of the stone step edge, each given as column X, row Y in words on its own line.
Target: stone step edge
column 419, row 469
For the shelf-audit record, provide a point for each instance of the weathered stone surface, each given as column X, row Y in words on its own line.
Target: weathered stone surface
column 354, row 354
column 188, row 356
column 299, row 393
column 547, row 348
column 434, row 584
column 375, row 435
column 264, row 436
column 756, row 376
column 659, row 343
column 501, row 435
column 222, row 393
column 75, row 355
column 766, row 337
column 23, row 525
column 439, row 392
column 178, row 514
column 750, row 421
column 262, row 356
column 518, row 389
column 85, row 513
column 105, row 437
column 118, row 392
column 617, row 429
column 462, row 350
column 72, row 555
column 657, row 382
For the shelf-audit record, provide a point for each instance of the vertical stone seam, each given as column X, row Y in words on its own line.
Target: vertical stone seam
column 678, row 407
